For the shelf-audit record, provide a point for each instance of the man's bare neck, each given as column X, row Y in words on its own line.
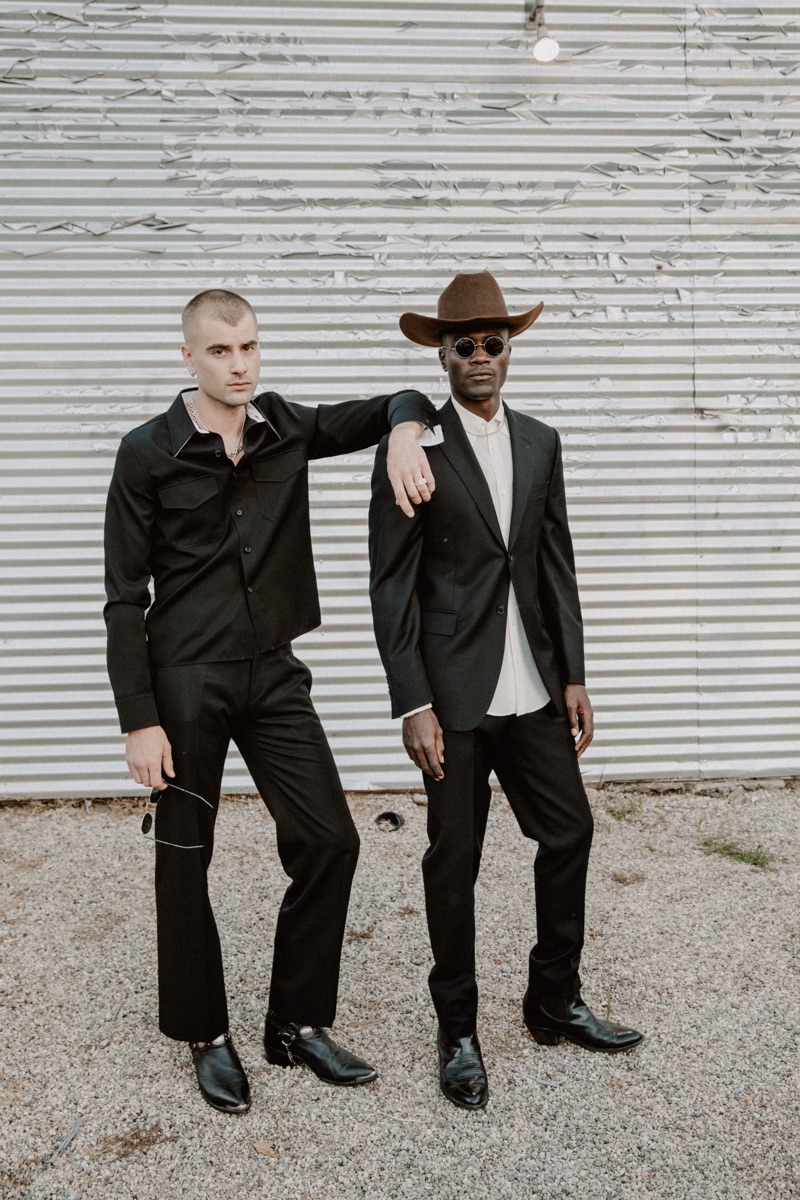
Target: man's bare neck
column 486, row 409
column 218, row 418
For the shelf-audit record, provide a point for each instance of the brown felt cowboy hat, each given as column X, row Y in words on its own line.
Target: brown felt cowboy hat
column 473, row 298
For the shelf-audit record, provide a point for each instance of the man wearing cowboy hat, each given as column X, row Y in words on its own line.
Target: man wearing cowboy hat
column 478, row 623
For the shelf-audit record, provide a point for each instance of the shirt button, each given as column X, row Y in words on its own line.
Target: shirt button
column 247, row 549
column 500, row 609
column 238, row 512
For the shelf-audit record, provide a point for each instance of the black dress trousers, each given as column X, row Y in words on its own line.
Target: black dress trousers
column 534, row 759
column 264, row 706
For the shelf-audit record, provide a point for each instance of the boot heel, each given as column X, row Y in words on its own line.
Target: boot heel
column 545, row 1037
column 277, row 1056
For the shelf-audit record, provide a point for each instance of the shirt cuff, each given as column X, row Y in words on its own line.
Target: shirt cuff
column 430, row 437
column 137, row 712
column 410, row 405
column 414, row 712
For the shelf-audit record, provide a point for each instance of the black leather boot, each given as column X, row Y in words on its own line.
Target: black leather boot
column 220, row 1076
column 548, row 1020
column 462, row 1075
column 288, row 1044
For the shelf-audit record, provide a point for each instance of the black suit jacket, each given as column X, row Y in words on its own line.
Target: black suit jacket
column 440, row 581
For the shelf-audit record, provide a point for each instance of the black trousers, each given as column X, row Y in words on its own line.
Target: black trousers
column 264, row 706
column 534, row 759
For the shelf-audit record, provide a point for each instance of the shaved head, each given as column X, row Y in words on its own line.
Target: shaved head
column 216, row 303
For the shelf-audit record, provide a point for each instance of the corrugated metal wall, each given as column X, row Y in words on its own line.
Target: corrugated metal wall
column 336, row 163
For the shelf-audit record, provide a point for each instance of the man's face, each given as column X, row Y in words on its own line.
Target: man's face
column 225, row 358
column 476, row 381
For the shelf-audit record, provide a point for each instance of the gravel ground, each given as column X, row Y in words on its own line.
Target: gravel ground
column 699, row 950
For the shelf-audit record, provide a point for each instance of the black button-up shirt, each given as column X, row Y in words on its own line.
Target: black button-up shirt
column 228, row 548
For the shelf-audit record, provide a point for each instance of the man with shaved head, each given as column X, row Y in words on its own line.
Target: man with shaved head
column 216, row 302
column 209, row 500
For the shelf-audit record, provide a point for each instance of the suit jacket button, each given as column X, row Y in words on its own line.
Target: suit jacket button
column 500, row 609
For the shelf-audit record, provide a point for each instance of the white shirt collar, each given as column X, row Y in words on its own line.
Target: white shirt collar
column 477, row 426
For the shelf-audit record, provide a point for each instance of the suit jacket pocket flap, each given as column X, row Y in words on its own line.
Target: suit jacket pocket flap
column 279, row 466
column 438, row 621
column 190, row 494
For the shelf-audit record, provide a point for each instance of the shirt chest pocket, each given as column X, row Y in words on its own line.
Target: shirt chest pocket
column 275, row 479
column 192, row 512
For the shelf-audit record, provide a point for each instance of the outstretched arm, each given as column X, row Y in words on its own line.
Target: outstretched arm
column 356, row 424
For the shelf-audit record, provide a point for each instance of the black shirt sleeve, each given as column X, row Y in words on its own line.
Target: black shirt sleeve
column 356, row 424
column 129, row 519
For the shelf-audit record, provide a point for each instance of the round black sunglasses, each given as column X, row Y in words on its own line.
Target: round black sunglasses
column 465, row 347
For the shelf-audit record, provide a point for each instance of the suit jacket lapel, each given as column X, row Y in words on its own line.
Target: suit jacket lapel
column 523, row 454
column 459, row 454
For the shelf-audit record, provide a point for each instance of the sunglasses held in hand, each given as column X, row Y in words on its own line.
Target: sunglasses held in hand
column 147, row 819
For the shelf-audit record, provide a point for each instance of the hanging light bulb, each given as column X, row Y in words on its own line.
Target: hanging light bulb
column 545, row 47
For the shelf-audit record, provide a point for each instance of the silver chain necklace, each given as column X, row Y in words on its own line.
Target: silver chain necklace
column 234, row 454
